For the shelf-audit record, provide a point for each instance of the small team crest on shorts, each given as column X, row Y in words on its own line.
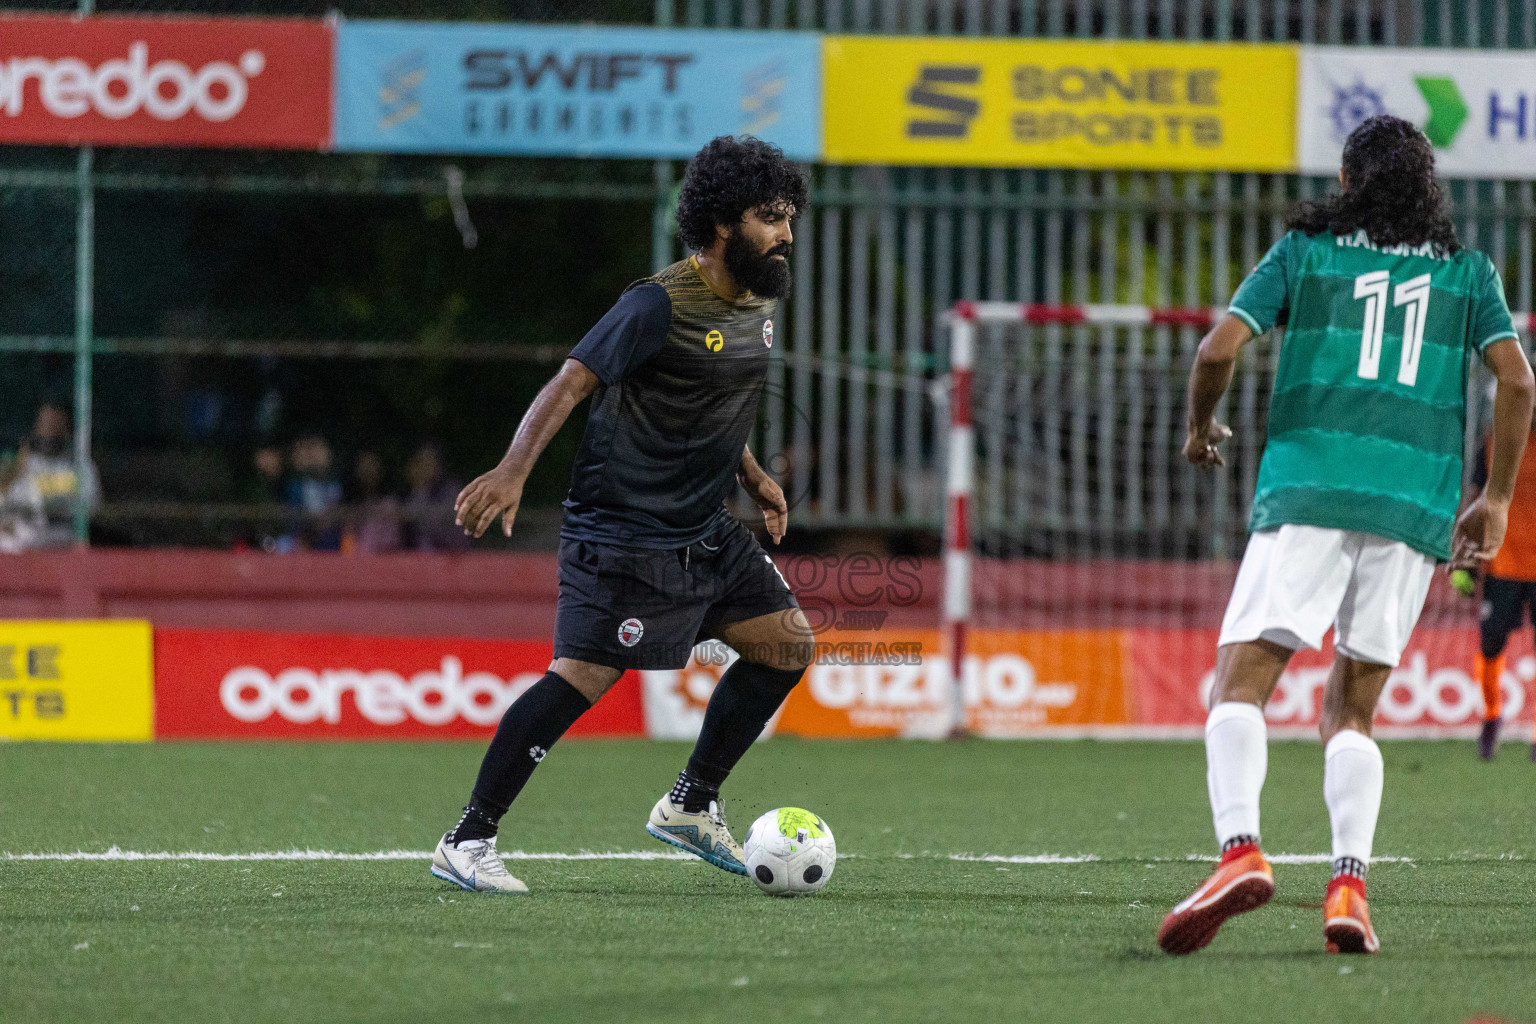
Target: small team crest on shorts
column 630, row 632
column 768, row 333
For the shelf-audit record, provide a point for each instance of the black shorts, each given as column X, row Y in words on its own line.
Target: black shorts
column 647, row 608
column 1503, row 611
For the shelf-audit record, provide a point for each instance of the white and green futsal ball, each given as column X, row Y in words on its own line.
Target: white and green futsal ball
column 790, row 852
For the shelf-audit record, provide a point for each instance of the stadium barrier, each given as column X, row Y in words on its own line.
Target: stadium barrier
column 243, row 684
column 76, row 680
column 435, row 647
column 542, row 90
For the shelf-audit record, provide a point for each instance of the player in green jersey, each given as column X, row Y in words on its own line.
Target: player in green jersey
column 1357, row 493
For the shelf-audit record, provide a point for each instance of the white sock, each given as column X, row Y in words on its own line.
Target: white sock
column 1352, row 780
column 1236, row 759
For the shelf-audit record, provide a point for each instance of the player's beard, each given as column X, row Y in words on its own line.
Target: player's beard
column 758, row 272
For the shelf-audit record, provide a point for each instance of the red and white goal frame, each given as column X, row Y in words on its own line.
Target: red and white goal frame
column 963, row 320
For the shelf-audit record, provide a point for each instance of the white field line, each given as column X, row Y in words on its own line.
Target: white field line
column 1275, row 858
column 1027, row 858
column 1088, row 858
column 115, row 854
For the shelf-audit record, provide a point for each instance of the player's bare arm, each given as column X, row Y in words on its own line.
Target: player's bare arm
column 1208, row 381
column 766, row 493
column 1480, row 530
column 498, row 492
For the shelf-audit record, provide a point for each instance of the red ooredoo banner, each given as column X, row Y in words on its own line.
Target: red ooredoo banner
column 230, row 684
column 165, row 81
column 1431, row 692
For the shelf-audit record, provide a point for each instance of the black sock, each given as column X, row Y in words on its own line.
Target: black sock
column 477, row 822
column 1350, row 866
column 528, row 729
column 693, row 794
column 1237, row 841
column 746, row 698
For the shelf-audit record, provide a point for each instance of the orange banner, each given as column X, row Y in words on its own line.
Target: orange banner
column 896, row 683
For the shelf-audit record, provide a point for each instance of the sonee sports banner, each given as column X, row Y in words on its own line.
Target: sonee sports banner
column 1058, row 103
column 75, row 681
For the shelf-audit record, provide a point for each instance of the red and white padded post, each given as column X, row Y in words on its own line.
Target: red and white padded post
column 959, row 487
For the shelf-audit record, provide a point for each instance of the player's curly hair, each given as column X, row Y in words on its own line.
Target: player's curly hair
column 728, row 177
column 1392, row 193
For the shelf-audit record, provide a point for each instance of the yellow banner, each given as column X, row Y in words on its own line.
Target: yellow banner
column 1060, row 103
column 76, row 681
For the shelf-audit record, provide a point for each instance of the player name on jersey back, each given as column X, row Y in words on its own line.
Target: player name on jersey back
column 1367, row 417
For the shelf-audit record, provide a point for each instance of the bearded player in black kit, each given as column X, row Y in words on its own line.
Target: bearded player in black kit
column 651, row 561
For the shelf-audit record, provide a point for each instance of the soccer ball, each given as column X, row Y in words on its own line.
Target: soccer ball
column 790, row 852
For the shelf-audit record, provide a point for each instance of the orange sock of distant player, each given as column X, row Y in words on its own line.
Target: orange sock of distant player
column 1489, row 672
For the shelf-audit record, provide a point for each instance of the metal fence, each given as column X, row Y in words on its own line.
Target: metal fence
column 1086, row 422
column 1079, row 429
column 1495, row 23
column 855, row 392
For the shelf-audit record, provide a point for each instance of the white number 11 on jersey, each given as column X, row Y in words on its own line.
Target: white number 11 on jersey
column 1413, row 293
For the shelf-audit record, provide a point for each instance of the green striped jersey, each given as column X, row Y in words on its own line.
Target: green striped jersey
column 1368, row 413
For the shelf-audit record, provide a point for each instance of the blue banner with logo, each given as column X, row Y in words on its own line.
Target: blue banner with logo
column 406, row 87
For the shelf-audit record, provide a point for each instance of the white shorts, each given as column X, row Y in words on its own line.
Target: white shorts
column 1298, row 580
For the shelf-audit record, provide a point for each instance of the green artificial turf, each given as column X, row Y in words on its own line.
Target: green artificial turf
column 903, row 931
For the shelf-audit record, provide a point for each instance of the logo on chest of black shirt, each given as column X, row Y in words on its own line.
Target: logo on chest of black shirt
column 715, row 341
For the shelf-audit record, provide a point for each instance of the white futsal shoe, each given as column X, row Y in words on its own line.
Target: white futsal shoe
column 475, row 865
column 705, row 834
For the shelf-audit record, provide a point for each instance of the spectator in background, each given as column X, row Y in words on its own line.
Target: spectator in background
column 47, row 463
column 429, row 524
column 265, row 487
column 21, row 505
column 373, row 514
column 268, row 464
column 314, row 495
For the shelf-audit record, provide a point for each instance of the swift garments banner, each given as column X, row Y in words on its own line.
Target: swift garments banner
column 229, row 684
column 75, row 680
column 577, row 90
column 165, row 81
column 1049, row 103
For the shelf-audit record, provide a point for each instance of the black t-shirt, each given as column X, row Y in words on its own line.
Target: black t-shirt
column 681, row 372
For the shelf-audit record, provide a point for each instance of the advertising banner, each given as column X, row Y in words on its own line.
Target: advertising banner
column 896, row 683
column 1432, row 691
column 1478, row 107
column 75, row 680
column 674, row 700
column 228, row 684
column 245, row 82
column 577, row 91
column 1049, row 103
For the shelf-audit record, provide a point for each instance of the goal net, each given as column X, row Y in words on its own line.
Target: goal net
column 1088, row 564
